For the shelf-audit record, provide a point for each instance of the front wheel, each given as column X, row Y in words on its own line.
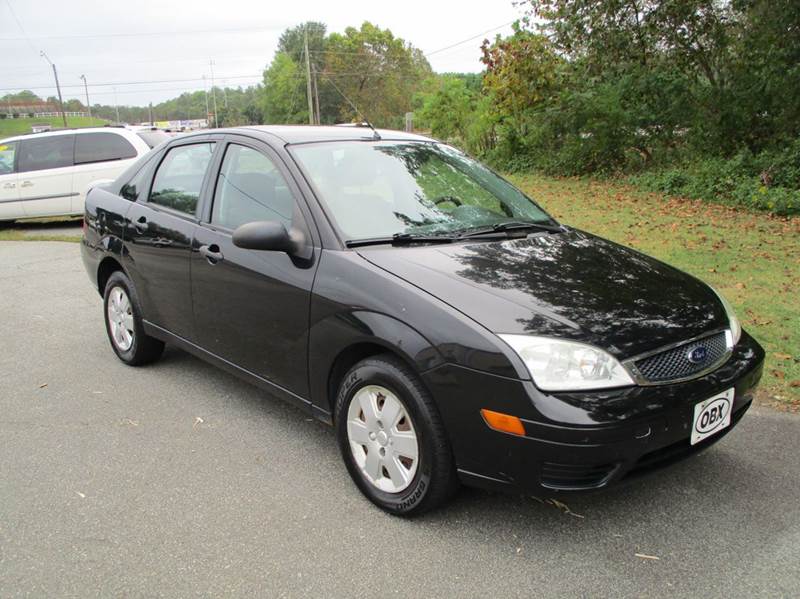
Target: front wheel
column 392, row 439
column 124, row 325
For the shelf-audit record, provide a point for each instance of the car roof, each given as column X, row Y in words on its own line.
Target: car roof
column 70, row 131
column 297, row 134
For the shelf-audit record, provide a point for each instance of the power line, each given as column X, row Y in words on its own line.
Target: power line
column 21, row 28
column 469, row 39
column 141, row 33
column 119, row 83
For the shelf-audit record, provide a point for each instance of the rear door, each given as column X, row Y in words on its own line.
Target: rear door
column 45, row 175
column 252, row 307
column 159, row 233
column 98, row 155
column 10, row 206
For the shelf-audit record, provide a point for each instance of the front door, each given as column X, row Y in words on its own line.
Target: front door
column 252, row 307
column 159, row 232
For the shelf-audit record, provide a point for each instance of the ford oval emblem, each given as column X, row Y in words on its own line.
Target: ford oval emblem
column 697, row 355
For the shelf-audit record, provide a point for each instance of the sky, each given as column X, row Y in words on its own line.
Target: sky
column 152, row 50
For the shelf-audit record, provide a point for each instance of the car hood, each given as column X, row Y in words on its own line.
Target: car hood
column 569, row 284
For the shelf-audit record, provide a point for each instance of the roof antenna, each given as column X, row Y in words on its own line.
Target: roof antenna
column 375, row 135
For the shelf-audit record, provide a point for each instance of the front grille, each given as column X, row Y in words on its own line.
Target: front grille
column 674, row 364
column 574, row 476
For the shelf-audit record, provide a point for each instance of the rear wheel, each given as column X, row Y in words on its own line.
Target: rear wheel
column 391, row 438
column 124, row 323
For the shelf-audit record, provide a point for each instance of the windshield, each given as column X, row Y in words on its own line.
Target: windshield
column 381, row 189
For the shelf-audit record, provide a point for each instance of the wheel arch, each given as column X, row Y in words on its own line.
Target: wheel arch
column 105, row 269
column 339, row 342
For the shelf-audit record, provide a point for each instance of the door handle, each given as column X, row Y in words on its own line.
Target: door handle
column 27, row 184
column 9, row 186
column 141, row 224
column 211, row 253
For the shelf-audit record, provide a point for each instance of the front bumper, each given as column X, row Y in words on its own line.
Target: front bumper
column 581, row 441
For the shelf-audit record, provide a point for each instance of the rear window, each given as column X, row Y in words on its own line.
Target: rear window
column 153, row 138
column 102, row 147
column 41, row 153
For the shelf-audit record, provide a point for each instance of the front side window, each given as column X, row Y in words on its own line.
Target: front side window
column 250, row 188
column 7, row 152
column 42, row 153
column 379, row 189
column 179, row 177
column 102, row 147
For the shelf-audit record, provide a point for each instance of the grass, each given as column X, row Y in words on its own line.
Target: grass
column 40, row 229
column 11, row 127
column 752, row 258
column 15, row 235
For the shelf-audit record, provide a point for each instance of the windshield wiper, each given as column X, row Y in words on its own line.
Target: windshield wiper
column 402, row 239
column 509, row 227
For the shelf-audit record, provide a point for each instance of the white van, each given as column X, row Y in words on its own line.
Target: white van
column 47, row 174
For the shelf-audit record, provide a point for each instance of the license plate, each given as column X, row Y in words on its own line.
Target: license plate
column 712, row 416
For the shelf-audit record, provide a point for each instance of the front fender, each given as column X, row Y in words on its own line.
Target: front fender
column 336, row 334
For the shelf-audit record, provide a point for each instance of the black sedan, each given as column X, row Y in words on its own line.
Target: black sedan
column 444, row 323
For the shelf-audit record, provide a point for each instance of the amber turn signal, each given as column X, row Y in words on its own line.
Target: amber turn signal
column 503, row 422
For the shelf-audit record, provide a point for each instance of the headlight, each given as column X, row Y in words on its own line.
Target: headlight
column 733, row 321
column 558, row 365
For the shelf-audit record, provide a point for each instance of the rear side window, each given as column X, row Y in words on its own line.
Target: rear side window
column 102, row 147
column 7, row 152
column 41, row 153
column 179, row 177
column 250, row 188
column 133, row 189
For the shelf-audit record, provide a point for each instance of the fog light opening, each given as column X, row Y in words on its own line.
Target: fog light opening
column 505, row 423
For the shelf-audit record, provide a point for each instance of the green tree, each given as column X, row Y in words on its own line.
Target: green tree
column 377, row 71
column 284, row 96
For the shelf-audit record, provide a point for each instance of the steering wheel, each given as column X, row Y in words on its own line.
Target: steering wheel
column 444, row 199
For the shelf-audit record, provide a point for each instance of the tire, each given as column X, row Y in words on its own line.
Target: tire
column 132, row 345
column 399, row 484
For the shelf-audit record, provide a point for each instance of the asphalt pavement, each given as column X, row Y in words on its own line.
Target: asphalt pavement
column 177, row 479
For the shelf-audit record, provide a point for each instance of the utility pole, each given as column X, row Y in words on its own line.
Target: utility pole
column 151, row 113
column 86, row 89
column 116, row 104
column 214, row 95
column 205, row 91
column 308, row 77
column 58, row 87
column 316, row 93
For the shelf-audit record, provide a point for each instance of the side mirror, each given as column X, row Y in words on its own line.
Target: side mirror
column 270, row 235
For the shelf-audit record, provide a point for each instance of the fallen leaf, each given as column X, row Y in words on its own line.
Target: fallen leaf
column 43, row 385
column 794, row 384
column 563, row 507
column 783, row 356
column 645, row 556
